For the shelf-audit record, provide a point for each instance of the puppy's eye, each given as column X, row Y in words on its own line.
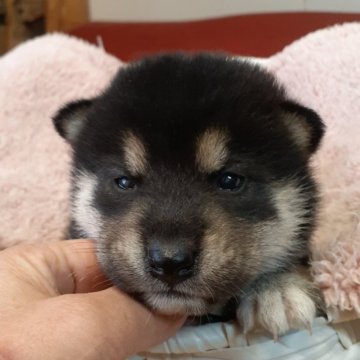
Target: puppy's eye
column 125, row 183
column 230, row 181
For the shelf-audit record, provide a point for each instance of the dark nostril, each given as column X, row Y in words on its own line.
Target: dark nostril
column 172, row 269
column 180, row 264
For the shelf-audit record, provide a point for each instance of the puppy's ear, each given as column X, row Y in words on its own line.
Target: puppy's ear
column 70, row 119
column 304, row 124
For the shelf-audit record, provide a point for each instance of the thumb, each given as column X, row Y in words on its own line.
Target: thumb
column 82, row 323
column 102, row 325
column 127, row 326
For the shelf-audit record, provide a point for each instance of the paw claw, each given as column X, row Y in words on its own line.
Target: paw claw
column 289, row 302
column 275, row 337
column 246, row 315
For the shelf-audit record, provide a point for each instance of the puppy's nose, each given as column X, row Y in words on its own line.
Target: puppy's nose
column 171, row 269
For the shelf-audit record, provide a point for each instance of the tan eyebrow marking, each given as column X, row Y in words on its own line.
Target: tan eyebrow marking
column 134, row 153
column 212, row 151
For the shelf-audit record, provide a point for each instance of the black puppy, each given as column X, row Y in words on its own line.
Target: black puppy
column 191, row 173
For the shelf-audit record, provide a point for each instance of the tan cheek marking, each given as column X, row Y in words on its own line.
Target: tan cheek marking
column 219, row 247
column 291, row 205
column 283, row 232
column 87, row 218
column 134, row 154
column 212, row 150
column 122, row 237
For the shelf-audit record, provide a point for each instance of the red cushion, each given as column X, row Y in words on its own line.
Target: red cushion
column 255, row 35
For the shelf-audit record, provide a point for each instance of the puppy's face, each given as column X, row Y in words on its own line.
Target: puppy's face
column 191, row 173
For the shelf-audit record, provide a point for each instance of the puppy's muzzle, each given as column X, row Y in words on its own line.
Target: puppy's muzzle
column 171, row 267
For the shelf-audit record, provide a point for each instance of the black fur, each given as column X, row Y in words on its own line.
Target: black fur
column 168, row 102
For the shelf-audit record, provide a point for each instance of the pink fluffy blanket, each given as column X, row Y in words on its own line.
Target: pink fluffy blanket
column 322, row 70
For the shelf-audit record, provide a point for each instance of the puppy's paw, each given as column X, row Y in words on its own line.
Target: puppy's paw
column 279, row 303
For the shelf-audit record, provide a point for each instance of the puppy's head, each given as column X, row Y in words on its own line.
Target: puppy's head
column 191, row 173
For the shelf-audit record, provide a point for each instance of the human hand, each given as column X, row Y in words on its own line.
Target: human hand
column 56, row 304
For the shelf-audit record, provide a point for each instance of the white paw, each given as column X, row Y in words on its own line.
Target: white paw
column 289, row 302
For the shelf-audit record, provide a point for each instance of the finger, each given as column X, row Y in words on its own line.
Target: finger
column 102, row 325
column 75, row 267
column 61, row 267
column 129, row 326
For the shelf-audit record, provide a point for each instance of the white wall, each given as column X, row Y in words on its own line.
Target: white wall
column 172, row 10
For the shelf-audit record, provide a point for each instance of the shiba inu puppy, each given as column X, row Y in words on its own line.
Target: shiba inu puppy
column 191, row 173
